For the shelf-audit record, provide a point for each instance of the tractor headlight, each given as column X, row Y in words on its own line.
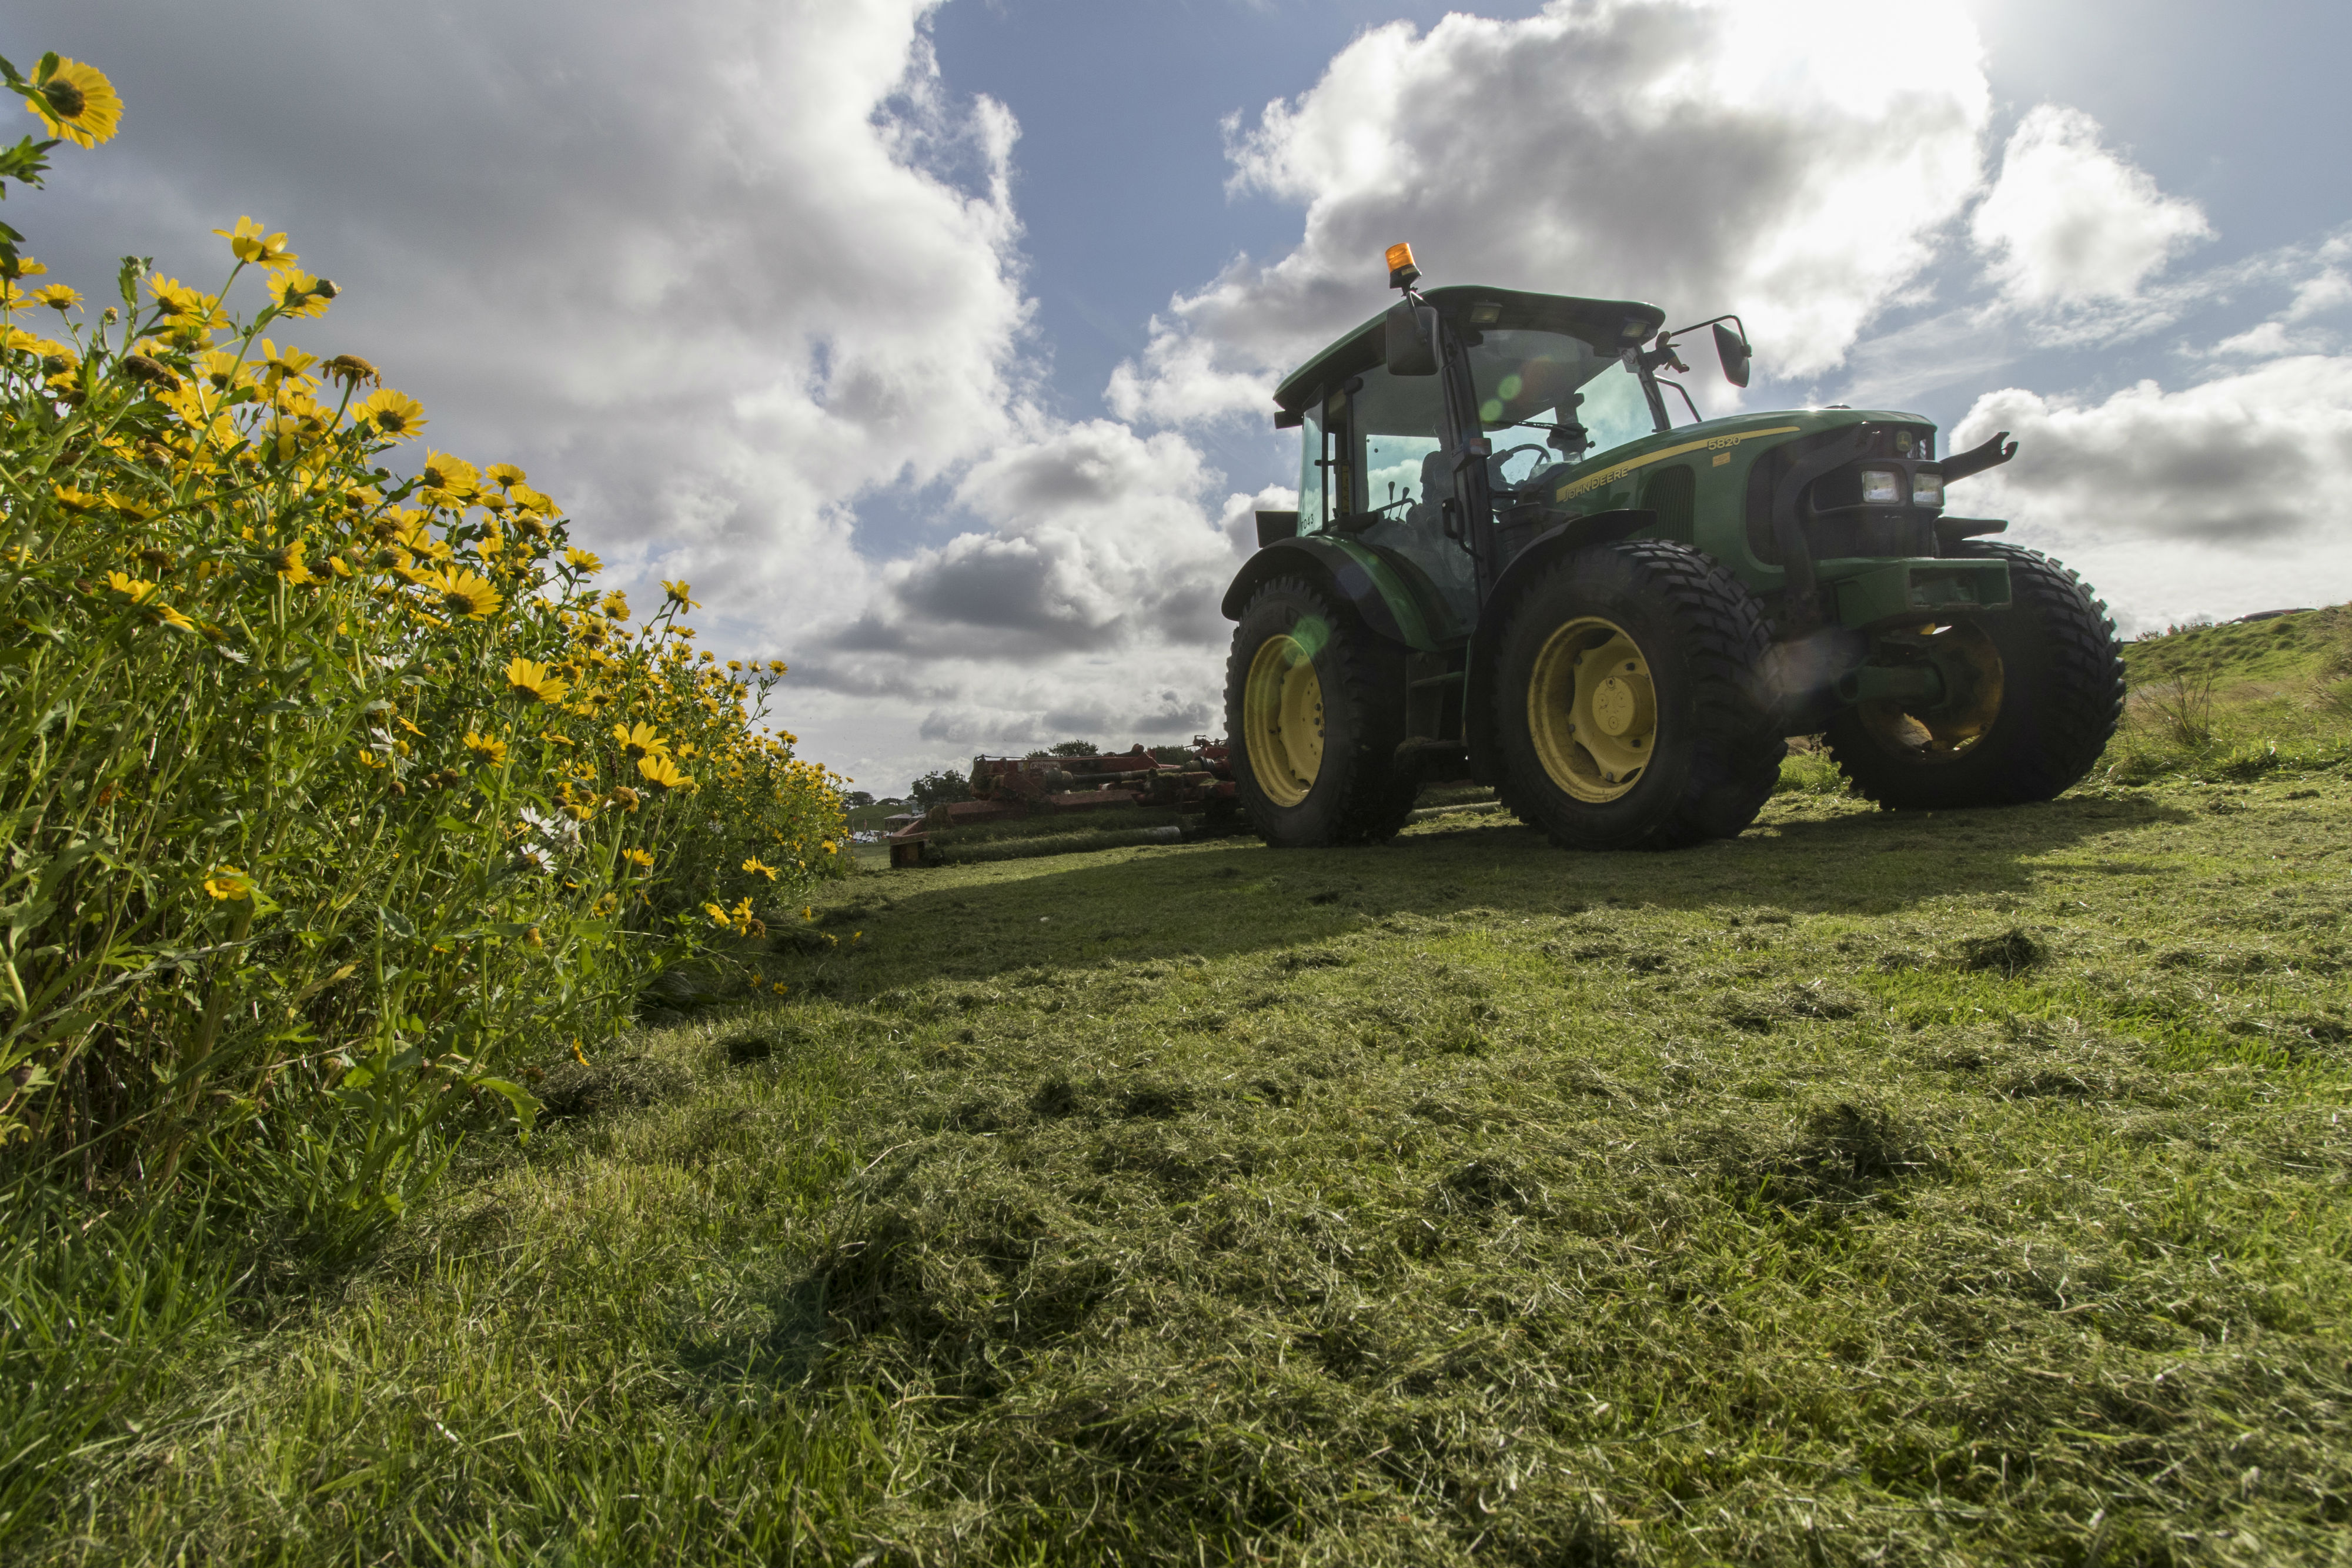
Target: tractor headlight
column 1926, row 488
column 1881, row 487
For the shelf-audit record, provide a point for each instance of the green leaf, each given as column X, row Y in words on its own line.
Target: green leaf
column 525, row 1105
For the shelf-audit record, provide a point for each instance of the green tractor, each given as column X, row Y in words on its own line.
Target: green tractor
column 1510, row 562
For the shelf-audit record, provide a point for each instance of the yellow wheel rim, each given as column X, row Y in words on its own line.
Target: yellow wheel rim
column 1964, row 655
column 1592, row 709
column 1282, row 719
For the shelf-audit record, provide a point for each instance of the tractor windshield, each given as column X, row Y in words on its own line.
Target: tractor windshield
column 1546, row 398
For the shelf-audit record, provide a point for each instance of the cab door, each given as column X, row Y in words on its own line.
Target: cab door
column 1385, row 478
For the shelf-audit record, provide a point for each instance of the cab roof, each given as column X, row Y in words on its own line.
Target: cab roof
column 1606, row 324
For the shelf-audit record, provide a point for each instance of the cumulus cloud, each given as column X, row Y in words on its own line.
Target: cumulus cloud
column 712, row 271
column 1793, row 162
column 2071, row 222
column 2222, row 497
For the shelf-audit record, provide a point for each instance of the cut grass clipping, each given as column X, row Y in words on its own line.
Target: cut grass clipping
column 1965, row 1188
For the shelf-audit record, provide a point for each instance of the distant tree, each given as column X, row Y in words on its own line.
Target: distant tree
column 856, row 798
column 940, row 787
column 1172, row 753
column 1074, row 749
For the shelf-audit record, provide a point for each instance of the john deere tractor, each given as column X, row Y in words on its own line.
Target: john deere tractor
column 1512, row 559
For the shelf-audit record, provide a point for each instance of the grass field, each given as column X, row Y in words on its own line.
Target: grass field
column 1963, row 1187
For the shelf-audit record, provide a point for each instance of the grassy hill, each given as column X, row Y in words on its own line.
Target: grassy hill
column 1950, row 1187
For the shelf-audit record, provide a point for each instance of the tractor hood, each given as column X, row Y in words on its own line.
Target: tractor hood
column 1608, row 325
column 1742, row 434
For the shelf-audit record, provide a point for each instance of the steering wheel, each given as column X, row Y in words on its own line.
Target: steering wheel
column 1494, row 464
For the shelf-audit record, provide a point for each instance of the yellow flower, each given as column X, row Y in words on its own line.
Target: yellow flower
column 287, row 562
column 829, row 847
column 639, row 740
column 776, row 666
column 506, row 475
column 78, row 502
column 169, row 617
column 57, row 297
column 222, row 371
column 662, row 774
column 134, row 589
column 77, row 101
column 582, row 562
column 717, row 916
column 527, row 678
column 280, row 363
column 577, row 1054
column 756, row 869
column 677, row 594
column 639, row 859
column 28, row 267
column 616, row 605
column 490, row 748
column 466, row 595
column 454, row 475
column 247, row 242
column 296, row 293
column 227, row 883
column 15, row 340
column 395, row 414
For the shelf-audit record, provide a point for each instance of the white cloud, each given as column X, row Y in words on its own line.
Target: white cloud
column 2220, row 498
column 2068, row 221
column 1792, row 160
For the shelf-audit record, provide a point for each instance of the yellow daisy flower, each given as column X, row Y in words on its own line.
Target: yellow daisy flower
column 639, row 859
column 490, row 748
column 677, row 594
column 662, row 774
column 249, row 244
column 583, row 561
column 528, row 678
column 506, row 475
column 77, row 102
column 454, row 475
column 57, row 297
column 466, row 595
column 395, row 414
column 134, row 589
column 287, row 562
column 754, row 866
column 296, row 293
column 616, row 605
column 228, row 884
column 639, row 740
column 281, row 363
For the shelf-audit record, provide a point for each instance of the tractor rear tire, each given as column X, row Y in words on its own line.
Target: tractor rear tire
column 2059, row 678
column 1313, row 712
column 1632, row 706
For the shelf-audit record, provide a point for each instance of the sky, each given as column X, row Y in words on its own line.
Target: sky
column 932, row 340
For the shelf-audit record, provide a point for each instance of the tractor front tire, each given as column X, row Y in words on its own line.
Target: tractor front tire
column 1314, row 712
column 1631, row 707
column 2055, row 675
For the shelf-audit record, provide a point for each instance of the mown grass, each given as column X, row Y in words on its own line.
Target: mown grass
column 1963, row 1187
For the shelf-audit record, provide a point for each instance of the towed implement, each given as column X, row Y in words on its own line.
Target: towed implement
column 1509, row 561
column 1017, row 789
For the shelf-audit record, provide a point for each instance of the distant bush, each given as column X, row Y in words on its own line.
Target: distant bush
column 331, row 793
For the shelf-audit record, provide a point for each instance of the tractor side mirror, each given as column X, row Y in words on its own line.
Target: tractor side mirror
column 1412, row 339
column 1731, row 348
